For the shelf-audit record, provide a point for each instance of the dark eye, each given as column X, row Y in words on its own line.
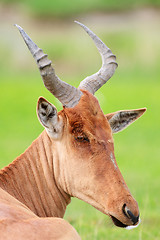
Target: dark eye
column 82, row 138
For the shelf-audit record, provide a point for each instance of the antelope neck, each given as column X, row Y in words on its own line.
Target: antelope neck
column 30, row 179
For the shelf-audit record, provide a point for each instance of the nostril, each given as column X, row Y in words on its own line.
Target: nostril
column 124, row 209
column 132, row 217
column 129, row 214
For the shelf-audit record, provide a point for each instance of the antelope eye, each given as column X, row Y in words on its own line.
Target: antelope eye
column 82, row 138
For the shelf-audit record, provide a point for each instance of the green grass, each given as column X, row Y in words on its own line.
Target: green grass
column 135, row 85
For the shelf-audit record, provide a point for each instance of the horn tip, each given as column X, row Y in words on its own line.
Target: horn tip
column 90, row 33
column 17, row 26
column 76, row 21
column 79, row 23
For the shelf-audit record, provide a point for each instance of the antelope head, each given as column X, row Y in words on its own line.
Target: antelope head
column 82, row 137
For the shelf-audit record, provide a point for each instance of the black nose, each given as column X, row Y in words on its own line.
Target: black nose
column 130, row 215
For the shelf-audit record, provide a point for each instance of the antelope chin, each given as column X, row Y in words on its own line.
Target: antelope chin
column 122, row 225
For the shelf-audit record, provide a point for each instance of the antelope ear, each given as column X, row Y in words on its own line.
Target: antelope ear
column 122, row 119
column 48, row 117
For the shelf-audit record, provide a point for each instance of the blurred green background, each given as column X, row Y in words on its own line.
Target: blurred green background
column 132, row 30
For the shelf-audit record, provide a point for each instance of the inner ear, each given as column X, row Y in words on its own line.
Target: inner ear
column 46, row 111
column 48, row 116
column 122, row 119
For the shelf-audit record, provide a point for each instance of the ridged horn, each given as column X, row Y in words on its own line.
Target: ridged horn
column 68, row 95
column 94, row 82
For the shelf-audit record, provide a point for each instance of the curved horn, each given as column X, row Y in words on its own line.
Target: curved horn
column 109, row 65
column 68, row 95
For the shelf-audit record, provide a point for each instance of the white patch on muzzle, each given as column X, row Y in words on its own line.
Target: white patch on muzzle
column 134, row 226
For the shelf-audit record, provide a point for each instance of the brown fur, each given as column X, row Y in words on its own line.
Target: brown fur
column 41, row 181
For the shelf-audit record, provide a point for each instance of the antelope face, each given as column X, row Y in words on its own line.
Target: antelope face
column 82, row 137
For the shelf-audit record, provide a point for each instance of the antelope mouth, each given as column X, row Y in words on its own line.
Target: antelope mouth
column 118, row 223
column 122, row 225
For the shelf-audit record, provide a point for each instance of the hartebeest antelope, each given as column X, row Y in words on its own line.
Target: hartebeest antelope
column 73, row 157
